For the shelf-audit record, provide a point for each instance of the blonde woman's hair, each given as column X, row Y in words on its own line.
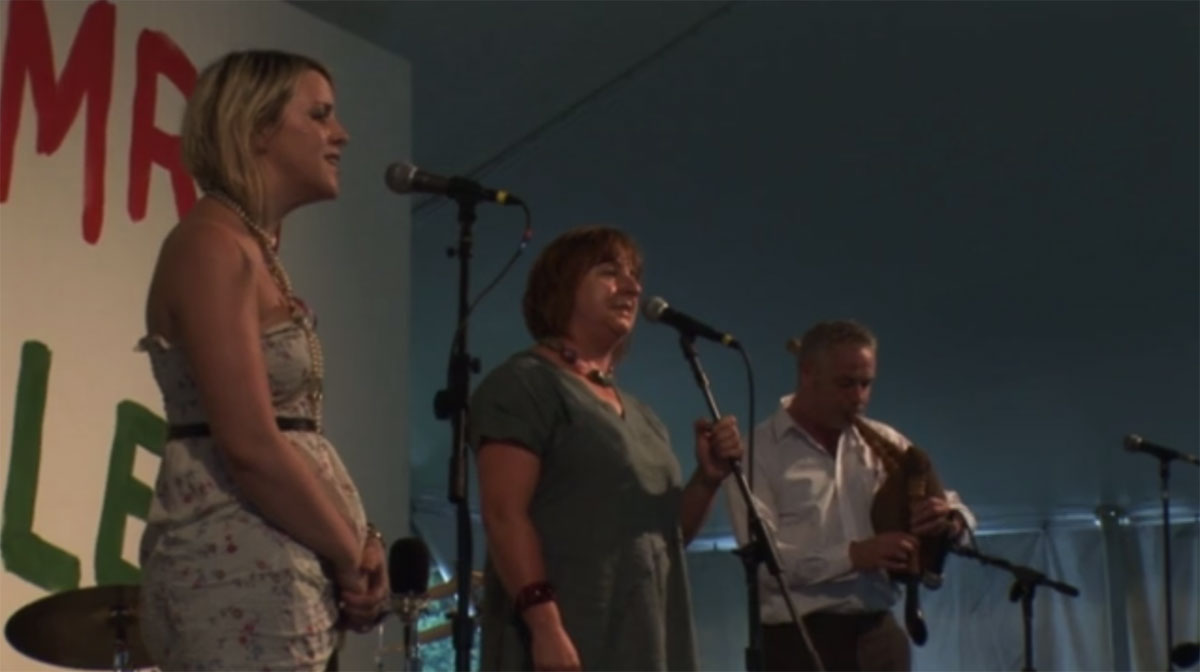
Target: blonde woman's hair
column 237, row 97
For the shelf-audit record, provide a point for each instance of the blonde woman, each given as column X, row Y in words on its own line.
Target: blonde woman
column 256, row 549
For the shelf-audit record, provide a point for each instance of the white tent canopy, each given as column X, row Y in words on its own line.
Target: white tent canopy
column 1005, row 192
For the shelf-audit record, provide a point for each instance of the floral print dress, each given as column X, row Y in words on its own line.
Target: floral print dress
column 222, row 588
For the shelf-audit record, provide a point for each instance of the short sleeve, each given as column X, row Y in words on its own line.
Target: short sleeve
column 516, row 403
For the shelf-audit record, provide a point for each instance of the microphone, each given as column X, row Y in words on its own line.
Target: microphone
column 408, row 572
column 405, row 178
column 1136, row 444
column 1185, row 654
column 656, row 309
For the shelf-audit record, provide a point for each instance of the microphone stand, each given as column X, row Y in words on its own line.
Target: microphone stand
column 1164, row 476
column 409, row 607
column 119, row 617
column 751, row 556
column 761, row 547
column 1026, row 582
column 451, row 403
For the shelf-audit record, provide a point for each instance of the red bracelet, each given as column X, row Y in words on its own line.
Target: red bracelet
column 533, row 594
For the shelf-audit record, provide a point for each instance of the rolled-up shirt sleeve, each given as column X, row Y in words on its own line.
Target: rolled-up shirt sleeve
column 957, row 505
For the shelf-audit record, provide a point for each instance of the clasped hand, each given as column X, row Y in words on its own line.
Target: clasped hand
column 363, row 592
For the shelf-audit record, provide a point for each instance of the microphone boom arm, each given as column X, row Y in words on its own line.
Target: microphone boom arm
column 1025, row 583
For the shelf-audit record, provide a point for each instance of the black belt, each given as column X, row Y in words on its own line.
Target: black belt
column 201, row 429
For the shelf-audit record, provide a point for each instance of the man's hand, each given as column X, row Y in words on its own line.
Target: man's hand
column 931, row 517
column 890, row 551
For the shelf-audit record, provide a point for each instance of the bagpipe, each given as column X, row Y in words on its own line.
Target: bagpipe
column 910, row 479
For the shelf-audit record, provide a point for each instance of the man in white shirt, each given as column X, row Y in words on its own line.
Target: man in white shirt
column 814, row 482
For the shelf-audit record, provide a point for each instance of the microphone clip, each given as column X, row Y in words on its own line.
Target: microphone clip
column 409, row 607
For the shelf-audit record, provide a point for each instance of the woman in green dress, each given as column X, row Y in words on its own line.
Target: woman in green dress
column 586, row 512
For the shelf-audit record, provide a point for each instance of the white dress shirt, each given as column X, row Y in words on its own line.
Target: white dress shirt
column 815, row 504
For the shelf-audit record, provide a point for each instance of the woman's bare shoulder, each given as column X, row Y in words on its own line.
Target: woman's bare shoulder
column 206, row 238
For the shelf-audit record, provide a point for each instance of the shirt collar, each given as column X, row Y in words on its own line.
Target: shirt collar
column 782, row 421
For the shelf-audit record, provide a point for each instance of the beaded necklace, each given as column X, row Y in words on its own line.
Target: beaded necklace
column 269, row 243
column 571, row 357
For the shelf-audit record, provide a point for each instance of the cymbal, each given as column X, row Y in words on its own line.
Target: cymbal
column 435, row 633
column 448, row 588
column 79, row 628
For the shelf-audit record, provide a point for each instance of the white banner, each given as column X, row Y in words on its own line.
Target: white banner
column 90, row 182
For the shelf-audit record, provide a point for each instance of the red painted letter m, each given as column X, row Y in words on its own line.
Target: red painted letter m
column 88, row 74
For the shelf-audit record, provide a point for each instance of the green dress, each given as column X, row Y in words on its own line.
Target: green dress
column 606, row 509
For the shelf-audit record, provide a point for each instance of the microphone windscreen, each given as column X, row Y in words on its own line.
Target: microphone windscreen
column 408, row 566
column 399, row 176
column 1185, row 654
column 653, row 307
column 1133, row 442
